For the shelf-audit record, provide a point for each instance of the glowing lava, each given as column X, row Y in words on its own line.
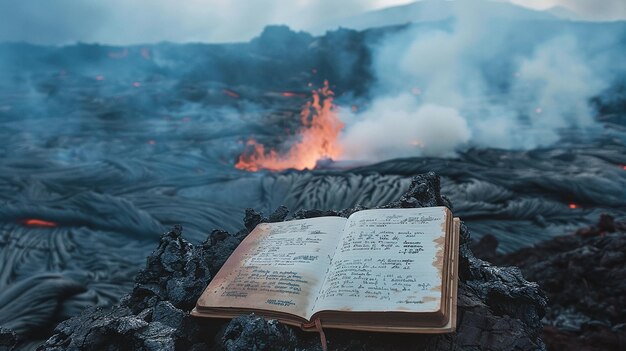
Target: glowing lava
column 416, row 143
column 39, row 223
column 317, row 139
column 231, row 93
column 292, row 94
column 118, row 54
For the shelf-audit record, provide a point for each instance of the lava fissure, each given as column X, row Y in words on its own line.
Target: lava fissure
column 317, row 139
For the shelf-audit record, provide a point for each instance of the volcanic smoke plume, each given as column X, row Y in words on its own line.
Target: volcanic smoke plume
column 481, row 82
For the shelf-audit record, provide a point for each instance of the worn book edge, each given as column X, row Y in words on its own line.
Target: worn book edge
column 313, row 325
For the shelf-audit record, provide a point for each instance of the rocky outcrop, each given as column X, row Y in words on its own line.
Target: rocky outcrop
column 584, row 277
column 498, row 308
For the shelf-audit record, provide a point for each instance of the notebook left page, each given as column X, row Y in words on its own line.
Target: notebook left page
column 278, row 267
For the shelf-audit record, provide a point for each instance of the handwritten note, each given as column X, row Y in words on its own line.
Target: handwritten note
column 279, row 267
column 385, row 262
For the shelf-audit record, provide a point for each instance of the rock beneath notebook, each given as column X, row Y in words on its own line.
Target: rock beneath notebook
column 251, row 332
column 497, row 308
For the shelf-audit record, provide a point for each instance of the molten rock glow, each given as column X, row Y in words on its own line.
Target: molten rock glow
column 317, row 139
column 33, row 222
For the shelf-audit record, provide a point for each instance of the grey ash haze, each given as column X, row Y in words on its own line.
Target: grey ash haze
column 124, row 22
column 109, row 142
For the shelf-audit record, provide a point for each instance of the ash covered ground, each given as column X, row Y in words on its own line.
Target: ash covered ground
column 104, row 148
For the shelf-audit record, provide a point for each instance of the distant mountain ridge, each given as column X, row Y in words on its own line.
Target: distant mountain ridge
column 438, row 10
column 565, row 13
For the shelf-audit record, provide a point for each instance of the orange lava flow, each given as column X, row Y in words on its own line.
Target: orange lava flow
column 291, row 94
column 231, row 93
column 317, row 139
column 39, row 223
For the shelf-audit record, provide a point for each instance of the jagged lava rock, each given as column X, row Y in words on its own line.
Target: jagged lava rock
column 498, row 308
column 584, row 276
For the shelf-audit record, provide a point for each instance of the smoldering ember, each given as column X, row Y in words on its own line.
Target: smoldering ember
column 130, row 173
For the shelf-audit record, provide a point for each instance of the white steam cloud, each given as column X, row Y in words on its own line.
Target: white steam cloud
column 401, row 127
column 472, row 86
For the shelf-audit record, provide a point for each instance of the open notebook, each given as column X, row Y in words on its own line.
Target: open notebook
column 383, row 270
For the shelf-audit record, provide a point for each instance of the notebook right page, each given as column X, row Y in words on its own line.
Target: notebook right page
column 388, row 260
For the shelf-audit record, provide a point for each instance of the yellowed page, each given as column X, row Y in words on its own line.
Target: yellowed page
column 278, row 267
column 388, row 260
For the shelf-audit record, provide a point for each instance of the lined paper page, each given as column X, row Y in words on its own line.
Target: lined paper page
column 278, row 267
column 388, row 260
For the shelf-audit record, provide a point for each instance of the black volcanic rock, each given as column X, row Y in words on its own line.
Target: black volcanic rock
column 250, row 332
column 584, row 277
column 498, row 309
column 176, row 272
column 8, row 339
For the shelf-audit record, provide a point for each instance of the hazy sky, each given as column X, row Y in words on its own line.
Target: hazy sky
column 589, row 9
column 145, row 21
